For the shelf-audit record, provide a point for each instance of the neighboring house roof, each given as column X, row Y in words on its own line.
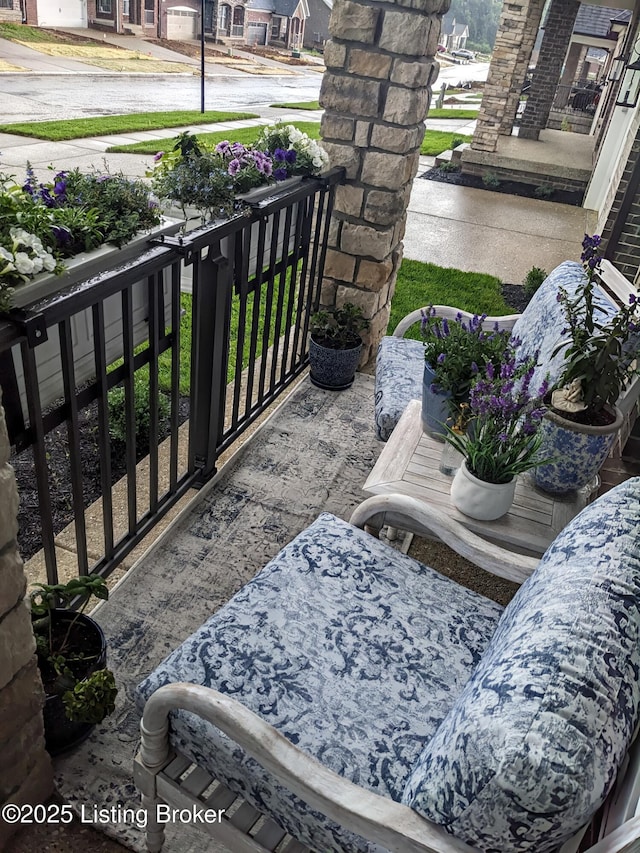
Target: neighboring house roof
column 261, row 5
column 596, row 20
column 286, row 8
column 451, row 28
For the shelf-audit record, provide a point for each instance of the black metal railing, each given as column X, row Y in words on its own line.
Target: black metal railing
column 252, row 282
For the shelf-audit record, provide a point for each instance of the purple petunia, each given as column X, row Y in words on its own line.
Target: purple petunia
column 280, row 174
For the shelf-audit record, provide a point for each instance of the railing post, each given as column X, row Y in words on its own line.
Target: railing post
column 212, row 287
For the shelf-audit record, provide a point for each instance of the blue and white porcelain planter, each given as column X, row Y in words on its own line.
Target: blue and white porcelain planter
column 435, row 406
column 577, row 450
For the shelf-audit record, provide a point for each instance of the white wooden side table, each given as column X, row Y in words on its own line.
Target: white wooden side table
column 409, row 465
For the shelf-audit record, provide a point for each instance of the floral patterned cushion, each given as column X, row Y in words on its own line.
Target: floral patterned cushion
column 399, row 372
column 354, row 651
column 540, row 328
column 532, row 746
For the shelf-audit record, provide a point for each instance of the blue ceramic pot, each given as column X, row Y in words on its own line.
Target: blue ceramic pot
column 435, row 406
column 333, row 369
column 578, row 451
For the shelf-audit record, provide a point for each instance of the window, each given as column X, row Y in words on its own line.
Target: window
column 125, row 8
column 105, row 7
column 223, row 18
column 6, row 4
column 275, row 27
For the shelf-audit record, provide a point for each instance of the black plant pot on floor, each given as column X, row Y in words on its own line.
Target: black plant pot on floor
column 333, row 369
column 62, row 734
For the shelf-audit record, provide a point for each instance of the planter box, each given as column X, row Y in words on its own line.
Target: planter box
column 284, row 245
column 80, row 268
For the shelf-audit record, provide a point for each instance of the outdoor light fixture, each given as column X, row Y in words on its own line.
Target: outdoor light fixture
column 630, row 88
column 617, row 67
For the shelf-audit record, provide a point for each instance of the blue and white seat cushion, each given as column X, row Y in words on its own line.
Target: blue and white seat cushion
column 399, row 373
column 532, row 746
column 353, row 651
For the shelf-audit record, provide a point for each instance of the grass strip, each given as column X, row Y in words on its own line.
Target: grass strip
column 421, row 284
column 244, row 135
column 57, row 131
column 298, row 105
column 437, row 141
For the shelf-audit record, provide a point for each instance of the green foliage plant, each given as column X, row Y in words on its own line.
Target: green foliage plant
column 86, row 700
column 449, row 166
column 491, row 180
column 533, row 279
column 544, row 191
column 338, row 328
column 600, row 350
column 116, row 399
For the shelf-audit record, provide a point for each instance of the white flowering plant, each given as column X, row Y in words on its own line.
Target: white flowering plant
column 292, row 150
column 42, row 223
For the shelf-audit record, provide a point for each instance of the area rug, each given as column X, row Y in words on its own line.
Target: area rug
column 314, row 454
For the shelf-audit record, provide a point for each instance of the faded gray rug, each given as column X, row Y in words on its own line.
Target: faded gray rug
column 314, row 454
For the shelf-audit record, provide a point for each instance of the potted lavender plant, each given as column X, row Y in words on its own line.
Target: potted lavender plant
column 454, row 353
column 502, row 440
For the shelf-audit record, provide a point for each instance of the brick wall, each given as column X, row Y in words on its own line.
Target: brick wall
column 553, row 50
column 25, row 766
column 625, row 254
column 376, row 93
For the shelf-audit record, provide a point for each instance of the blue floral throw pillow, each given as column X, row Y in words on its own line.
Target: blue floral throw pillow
column 533, row 744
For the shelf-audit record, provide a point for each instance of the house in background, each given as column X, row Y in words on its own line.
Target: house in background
column 11, row 11
column 316, row 30
column 453, row 35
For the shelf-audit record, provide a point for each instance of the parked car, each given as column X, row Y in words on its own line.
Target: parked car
column 463, row 53
column 441, row 48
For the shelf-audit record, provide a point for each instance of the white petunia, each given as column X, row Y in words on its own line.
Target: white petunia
column 49, row 262
column 24, row 264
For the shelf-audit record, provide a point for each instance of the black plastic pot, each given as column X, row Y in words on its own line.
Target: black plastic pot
column 60, row 733
column 333, row 369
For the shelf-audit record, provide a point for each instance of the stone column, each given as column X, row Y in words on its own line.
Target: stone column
column 553, row 50
column 519, row 22
column 25, row 766
column 531, row 27
column 376, row 92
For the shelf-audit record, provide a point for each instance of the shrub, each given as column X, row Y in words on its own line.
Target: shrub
column 117, row 411
column 533, row 280
column 456, row 140
column 449, row 166
column 544, row 191
column 491, row 180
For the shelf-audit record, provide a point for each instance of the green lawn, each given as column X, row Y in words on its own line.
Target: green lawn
column 21, row 32
column 245, row 135
column 57, row 131
column 421, row 284
column 298, row 105
column 437, row 141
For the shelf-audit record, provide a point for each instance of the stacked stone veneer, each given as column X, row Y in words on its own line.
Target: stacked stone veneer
column 25, row 767
column 553, row 51
column 517, row 30
column 376, row 93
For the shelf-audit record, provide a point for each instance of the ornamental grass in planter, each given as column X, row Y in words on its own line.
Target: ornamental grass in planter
column 600, row 355
column 44, row 224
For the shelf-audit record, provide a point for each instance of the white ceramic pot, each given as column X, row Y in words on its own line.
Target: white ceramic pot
column 479, row 499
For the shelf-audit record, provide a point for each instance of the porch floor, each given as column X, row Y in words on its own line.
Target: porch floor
column 312, row 454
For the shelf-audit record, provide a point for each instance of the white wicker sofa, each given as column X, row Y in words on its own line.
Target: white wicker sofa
column 363, row 702
column 540, row 328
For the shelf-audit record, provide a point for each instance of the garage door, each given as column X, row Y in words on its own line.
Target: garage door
column 63, row 13
column 182, row 23
column 256, row 33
